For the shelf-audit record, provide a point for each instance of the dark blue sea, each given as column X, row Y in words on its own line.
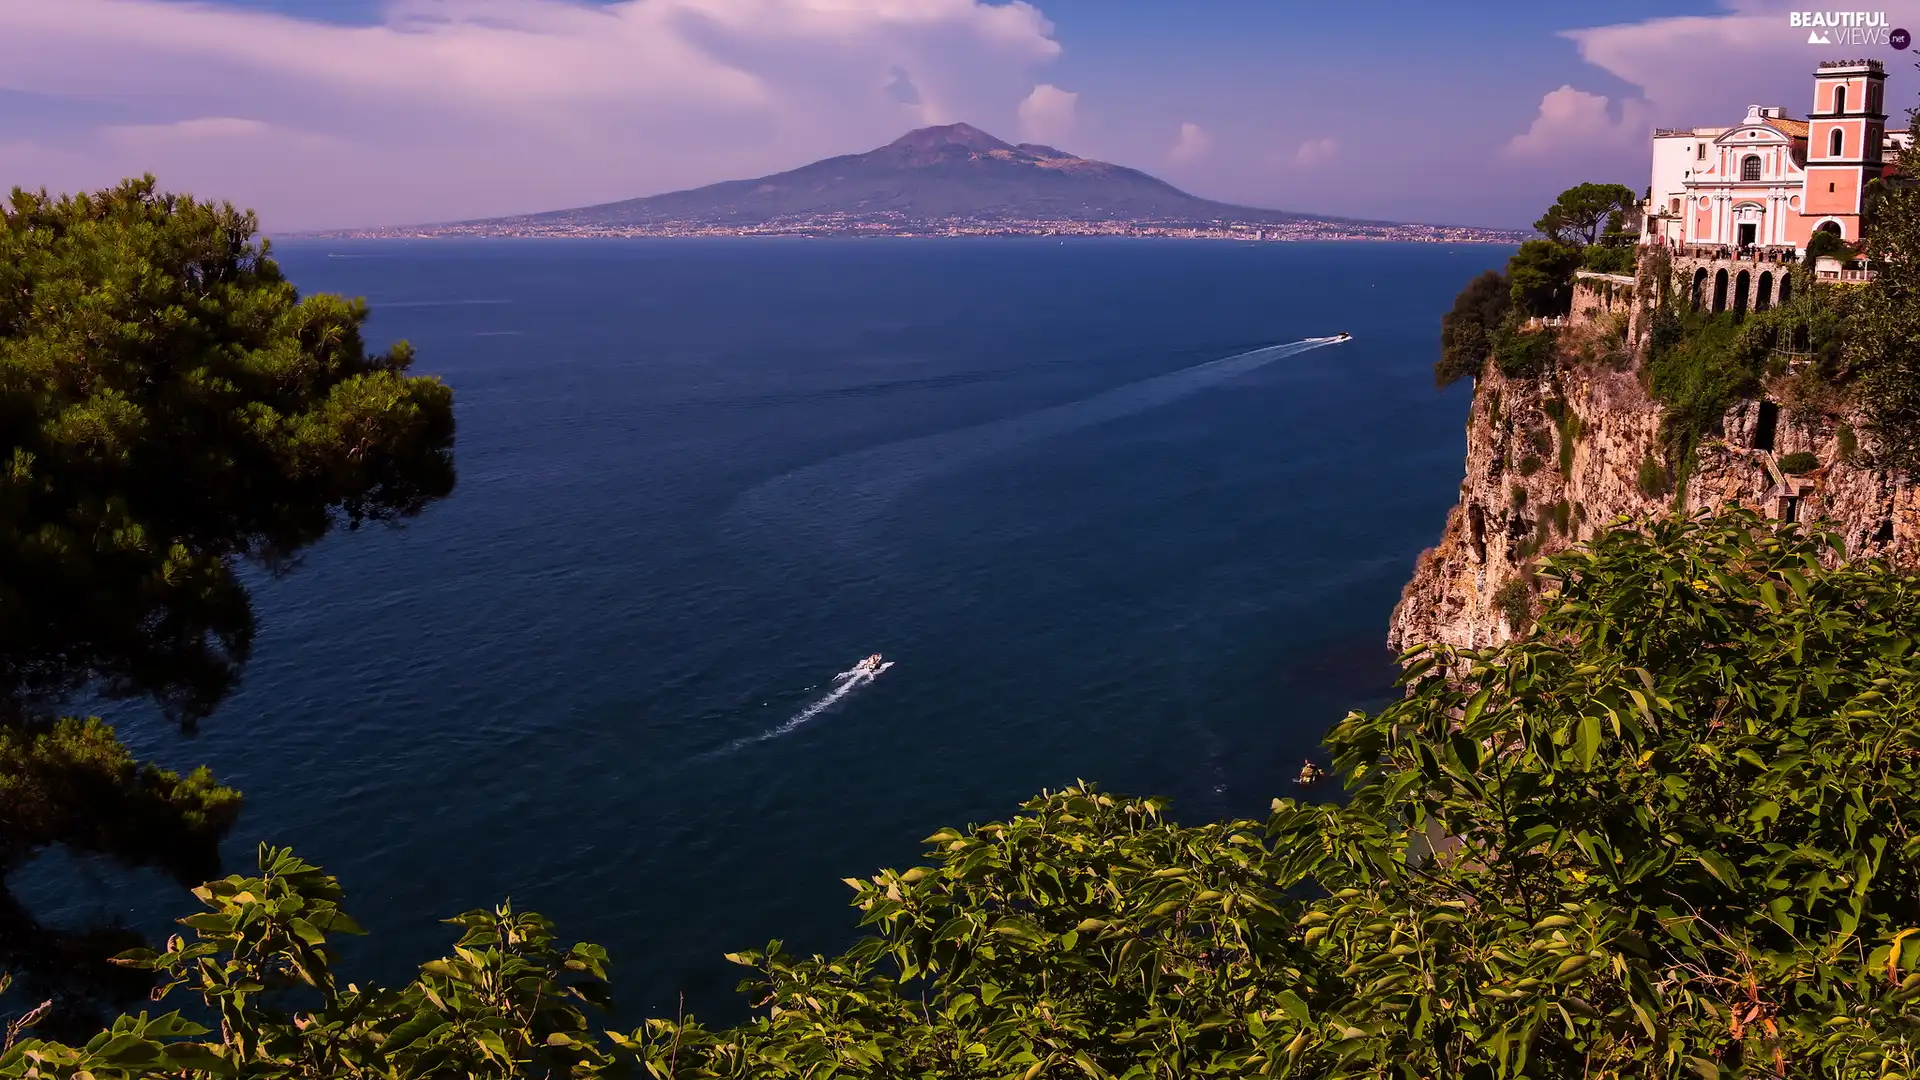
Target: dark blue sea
column 1101, row 528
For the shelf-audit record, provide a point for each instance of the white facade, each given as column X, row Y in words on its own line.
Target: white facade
column 1676, row 153
column 1750, row 183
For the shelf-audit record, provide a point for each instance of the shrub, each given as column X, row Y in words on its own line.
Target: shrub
column 1569, row 432
column 1519, row 496
column 1654, row 481
column 1607, row 259
column 1522, row 354
column 1826, row 243
column 1529, row 465
column 1849, row 443
column 1798, row 462
column 1514, row 602
column 1562, row 517
column 1699, row 376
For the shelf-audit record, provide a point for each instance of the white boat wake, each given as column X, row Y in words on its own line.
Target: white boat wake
column 829, row 500
column 846, row 682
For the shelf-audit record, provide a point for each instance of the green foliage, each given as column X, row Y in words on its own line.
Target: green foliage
column 1569, row 435
column 1518, row 495
column 1562, row 517
column 72, row 782
column 1653, row 480
column 172, row 408
column 1849, row 443
column 1514, row 601
column 1529, row 465
column 1883, row 338
column 1540, row 277
column 1582, row 213
column 172, row 405
column 1673, row 831
column 1798, row 462
column 1466, row 332
column 1700, row 375
column 1822, row 244
column 1607, row 259
column 1522, row 354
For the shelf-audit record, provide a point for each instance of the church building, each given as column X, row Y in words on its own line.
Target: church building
column 1771, row 181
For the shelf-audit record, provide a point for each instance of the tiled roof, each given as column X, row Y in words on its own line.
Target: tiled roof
column 1793, row 129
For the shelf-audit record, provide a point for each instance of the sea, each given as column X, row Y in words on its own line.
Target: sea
column 1114, row 511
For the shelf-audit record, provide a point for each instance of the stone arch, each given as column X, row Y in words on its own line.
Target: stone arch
column 1720, row 291
column 1763, row 292
column 1698, row 292
column 1742, row 288
column 1786, row 286
column 1831, row 226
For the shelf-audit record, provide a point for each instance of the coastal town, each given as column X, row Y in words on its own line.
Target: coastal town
column 893, row 225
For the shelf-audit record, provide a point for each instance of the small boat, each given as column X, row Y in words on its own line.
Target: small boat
column 1343, row 336
column 1310, row 774
column 865, row 669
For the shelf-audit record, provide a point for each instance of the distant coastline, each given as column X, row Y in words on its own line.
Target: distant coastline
column 824, row 227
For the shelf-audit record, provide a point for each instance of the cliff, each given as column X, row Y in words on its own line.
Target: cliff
column 1554, row 459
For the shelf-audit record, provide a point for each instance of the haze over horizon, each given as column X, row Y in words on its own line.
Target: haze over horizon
column 340, row 113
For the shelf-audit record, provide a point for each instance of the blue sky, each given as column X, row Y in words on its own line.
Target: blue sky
column 341, row 112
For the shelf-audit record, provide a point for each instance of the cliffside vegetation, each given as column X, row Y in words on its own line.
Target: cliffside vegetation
column 1836, row 349
column 1674, row 831
column 1490, row 317
column 171, row 408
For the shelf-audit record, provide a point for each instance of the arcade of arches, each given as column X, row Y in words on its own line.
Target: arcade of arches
column 1736, row 285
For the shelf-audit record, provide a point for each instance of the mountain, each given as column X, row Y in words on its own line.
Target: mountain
column 933, row 174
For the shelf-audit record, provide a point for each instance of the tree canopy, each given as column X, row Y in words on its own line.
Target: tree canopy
column 171, row 407
column 1540, row 276
column 1466, row 332
column 171, row 404
column 1583, row 212
column 1673, row 830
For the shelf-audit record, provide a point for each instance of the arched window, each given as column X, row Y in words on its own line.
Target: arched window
column 1839, row 99
column 1750, row 168
column 1835, row 143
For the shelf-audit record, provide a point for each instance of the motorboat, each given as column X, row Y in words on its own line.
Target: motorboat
column 866, row 669
column 1343, row 336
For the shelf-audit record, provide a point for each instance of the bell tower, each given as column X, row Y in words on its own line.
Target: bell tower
column 1844, row 133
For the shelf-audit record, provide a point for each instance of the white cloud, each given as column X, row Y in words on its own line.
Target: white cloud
column 1315, row 152
column 1693, row 70
column 1047, row 114
column 1191, row 146
column 1573, row 122
column 554, row 102
column 208, row 131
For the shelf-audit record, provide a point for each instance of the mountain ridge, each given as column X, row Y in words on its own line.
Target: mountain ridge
column 931, row 173
column 945, row 180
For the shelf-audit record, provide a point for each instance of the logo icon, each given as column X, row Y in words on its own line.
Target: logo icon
column 1818, row 37
column 1900, row 39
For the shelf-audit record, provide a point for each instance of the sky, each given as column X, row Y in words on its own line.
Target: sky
column 338, row 113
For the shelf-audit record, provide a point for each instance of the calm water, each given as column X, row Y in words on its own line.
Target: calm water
column 697, row 479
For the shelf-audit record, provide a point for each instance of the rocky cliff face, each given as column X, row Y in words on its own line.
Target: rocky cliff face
column 1552, row 461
